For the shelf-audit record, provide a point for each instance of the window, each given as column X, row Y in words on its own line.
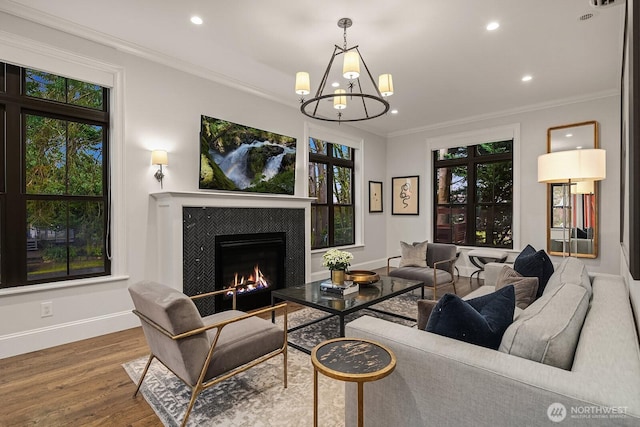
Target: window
column 331, row 178
column 54, row 201
column 474, row 195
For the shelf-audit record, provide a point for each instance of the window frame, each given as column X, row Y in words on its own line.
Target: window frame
column 43, row 56
column 474, row 137
column 330, row 161
column 318, row 131
column 471, row 206
column 17, row 106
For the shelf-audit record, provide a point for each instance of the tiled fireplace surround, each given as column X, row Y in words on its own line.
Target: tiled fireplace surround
column 187, row 223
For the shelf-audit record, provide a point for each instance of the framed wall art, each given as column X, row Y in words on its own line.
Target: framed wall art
column 241, row 158
column 375, row 196
column 405, row 195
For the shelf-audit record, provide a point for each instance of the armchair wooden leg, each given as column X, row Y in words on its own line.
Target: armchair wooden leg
column 144, row 373
column 194, row 393
column 285, row 365
column 435, row 297
column 454, row 288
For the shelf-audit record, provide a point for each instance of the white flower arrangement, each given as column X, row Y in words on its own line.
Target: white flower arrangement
column 336, row 259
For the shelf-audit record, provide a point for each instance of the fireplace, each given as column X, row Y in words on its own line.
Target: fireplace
column 254, row 264
column 202, row 229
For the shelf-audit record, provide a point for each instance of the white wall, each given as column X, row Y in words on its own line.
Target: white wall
column 408, row 155
column 161, row 109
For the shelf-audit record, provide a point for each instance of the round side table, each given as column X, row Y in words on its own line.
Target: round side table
column 350, row 359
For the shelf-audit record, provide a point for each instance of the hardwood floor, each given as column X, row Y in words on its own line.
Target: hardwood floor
column 84, row 384
column 78, row 384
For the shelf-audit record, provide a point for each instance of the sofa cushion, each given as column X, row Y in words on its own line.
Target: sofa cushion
column 532, row 263
column 526, row 287
column 480, row 321
column 570, row 270
column 425, row 308
column 423, row 274
column 414, row 255
column 548, row 330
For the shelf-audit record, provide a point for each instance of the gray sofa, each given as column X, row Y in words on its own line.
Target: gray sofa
column 445, row 382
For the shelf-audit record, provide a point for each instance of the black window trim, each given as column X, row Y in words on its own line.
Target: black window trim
column 471, row 161
column 329, row 160
column 15, row 104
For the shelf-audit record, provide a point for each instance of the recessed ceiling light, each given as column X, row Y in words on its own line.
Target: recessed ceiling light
column 527, row 78
column 394, row 111
column 492, row 26
column 196, row 20
column 579, row 147
column 569, row 135
column 335, row 84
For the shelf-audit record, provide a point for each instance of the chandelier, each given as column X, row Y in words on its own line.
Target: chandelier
column 359, row 99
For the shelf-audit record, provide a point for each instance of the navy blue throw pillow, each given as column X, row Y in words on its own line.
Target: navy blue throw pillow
column 480, row 321
column 532, row 263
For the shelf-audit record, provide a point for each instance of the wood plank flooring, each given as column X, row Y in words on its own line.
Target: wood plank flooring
column 84, row 384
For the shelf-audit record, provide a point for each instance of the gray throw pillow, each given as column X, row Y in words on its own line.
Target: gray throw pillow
column 549, row 329
column 525, row 287
column 414, row 255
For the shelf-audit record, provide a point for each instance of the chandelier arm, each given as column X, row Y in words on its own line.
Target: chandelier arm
column 323, row 81
column 364, row 104
column 368, row 72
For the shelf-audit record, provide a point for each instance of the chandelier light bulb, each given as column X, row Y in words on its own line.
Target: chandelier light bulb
column 351, row 65
column 340, row 102
column 385, row 84
column 303, row 87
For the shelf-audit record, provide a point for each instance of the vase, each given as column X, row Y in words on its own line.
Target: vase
column 337, row 277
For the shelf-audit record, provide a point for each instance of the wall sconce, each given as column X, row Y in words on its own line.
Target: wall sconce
column 159, row 157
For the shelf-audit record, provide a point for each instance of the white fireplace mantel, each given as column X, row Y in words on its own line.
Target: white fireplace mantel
column 169, row 224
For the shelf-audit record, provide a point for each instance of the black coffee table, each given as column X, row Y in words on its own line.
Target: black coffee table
column 310, row 295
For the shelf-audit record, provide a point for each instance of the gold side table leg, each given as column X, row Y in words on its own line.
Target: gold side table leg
column 360, row 404
column 315, row 397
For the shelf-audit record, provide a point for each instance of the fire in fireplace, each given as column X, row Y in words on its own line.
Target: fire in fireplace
column 251, row 263
column 255, row 281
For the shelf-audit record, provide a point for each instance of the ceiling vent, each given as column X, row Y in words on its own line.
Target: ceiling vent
column 605, row 3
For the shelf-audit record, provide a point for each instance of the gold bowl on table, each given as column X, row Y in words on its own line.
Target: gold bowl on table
column 362, row 277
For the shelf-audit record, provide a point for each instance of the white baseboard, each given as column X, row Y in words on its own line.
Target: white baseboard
column 41, row 338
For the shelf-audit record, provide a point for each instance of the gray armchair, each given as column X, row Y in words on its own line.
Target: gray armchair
column 441, row 260
column 203, row 351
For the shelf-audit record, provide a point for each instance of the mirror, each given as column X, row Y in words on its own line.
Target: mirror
column 572, row 214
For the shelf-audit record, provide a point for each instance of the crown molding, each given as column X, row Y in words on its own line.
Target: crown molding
column 60, row 24
column 509, row 112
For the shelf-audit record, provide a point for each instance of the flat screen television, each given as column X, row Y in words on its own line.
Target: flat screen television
column 235, row 157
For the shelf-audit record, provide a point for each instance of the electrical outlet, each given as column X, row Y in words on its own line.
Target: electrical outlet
column 46, row 309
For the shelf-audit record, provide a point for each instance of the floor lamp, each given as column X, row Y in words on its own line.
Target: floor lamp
column 569, row 167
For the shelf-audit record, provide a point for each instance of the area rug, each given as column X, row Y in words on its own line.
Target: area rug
column 257, row 397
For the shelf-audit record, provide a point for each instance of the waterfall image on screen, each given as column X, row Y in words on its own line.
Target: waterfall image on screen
column 241, row 158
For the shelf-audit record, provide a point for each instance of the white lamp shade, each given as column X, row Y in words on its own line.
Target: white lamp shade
column 583, row 187
column 574, row 165
column 385, row 84
column 159, row 157
column 351, row 65
column 340, row 102
column 303, row 87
